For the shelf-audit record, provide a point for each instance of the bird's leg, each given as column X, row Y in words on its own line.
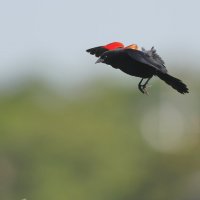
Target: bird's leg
column 143, row 87
column 140, row 86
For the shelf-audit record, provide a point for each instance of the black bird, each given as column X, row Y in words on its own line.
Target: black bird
column 144, row 64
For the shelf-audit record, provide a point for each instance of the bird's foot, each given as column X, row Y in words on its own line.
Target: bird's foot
column 143, row 89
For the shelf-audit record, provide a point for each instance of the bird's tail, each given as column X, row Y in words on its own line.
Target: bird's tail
column 173, row 82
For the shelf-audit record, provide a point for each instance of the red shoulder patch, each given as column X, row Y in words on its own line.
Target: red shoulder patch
column 114, row 45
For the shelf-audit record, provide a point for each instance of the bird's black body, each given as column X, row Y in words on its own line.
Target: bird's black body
column 133, row 62
column 144, row 64
column 120, row 59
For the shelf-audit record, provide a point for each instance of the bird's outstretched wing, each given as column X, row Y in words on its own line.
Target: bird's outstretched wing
column 97, row 51
column 143, row 57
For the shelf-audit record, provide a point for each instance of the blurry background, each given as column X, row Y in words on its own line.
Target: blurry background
column 70, row 129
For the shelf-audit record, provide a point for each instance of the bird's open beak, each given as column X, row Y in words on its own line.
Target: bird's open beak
column 100, row 60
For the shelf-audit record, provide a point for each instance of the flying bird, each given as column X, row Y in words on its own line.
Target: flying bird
column 135, row 62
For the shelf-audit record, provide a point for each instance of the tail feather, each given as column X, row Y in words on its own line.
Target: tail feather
column 174, row 82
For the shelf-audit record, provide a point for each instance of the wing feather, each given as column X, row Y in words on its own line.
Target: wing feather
column 141, row 56
column 97, row 51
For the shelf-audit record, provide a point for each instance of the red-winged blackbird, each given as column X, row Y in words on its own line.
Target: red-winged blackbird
column 144, row 64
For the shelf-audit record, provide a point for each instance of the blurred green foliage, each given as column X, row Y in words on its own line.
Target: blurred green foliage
column 90, row 144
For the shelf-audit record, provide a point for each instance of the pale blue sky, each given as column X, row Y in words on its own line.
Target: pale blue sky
column 55, row 34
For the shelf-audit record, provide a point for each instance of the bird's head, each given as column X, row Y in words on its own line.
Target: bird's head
column 109, row 57
column 105, row 57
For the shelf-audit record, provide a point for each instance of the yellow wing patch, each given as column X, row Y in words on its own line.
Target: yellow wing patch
column 132, row 46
